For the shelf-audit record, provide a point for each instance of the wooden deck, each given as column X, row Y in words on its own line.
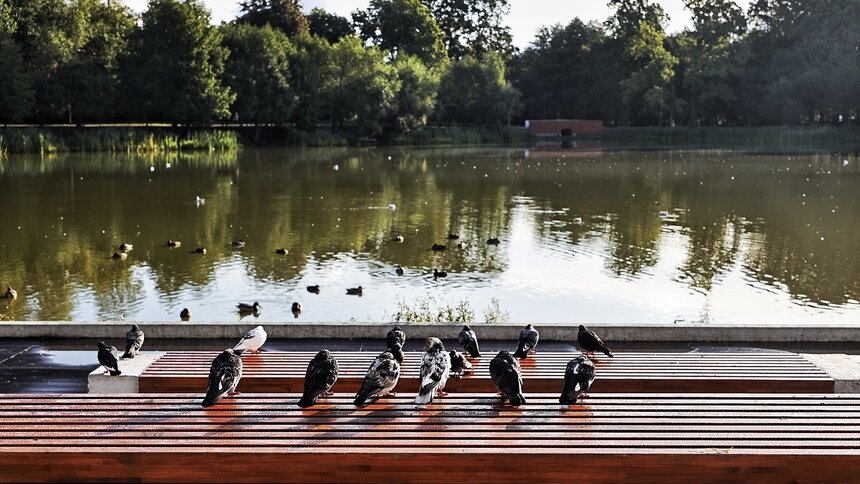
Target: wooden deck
column 627, row 372
column 266, row 437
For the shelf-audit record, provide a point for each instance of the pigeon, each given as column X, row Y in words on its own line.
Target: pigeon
column 506, row 375
column 469, row 341
column 174, row 243
column 133, row 342
column 381, row 378
column 397, row 352
column 320, row 377
column 224, row 376
column 252, row 341
column 355, row 291
column 297, row 309
column 185, row 314
column 314, row 289
column 249, row 308
column 108, row 358
column 125, row 247
column 396, row 336
column 435, row 370
column 528, row 342
column 11, row 294
column 590, row 342
column 459, row 364
column 578, row 377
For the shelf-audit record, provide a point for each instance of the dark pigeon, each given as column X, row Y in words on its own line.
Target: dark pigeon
column 469, row 341
column 459, row 364
column 396, row 336
column 529, row 338
column 397, row 352
column 133, row 342
column 108, row 358
column 590, row 342
column 435, row 370
column 506, row 375
column 381, row 378
column 320, row 377
column 224, row 376
column 578, row 377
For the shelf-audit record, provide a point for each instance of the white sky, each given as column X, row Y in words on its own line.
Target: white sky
column 525, row 18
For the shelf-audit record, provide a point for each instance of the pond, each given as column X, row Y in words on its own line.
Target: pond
column 585, row 235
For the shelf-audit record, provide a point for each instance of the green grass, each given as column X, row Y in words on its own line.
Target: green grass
column 748, row 138
column 114, row 140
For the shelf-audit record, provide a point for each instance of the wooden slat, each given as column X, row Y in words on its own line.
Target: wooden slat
column 266, row 437
column 627, row 372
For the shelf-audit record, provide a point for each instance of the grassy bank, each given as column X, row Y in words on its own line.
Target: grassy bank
column 113, row 140
column 745, row 138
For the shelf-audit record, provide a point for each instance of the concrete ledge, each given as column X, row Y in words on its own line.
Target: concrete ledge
column 845, row 369
column 681, row 332
column 100, row 382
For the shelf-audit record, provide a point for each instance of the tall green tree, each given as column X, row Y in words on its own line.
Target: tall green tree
column 309, row 74
column 402, row 26
column 16, row 93
column 476, row 92
column 174, row 68
column 284, row 15
column 258, row 72
column 417, row 88
column 473, row 27
column 331, row 27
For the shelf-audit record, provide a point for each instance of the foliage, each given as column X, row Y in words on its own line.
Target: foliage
column 494, row 314
column 416, row 94
column 117, row 140
column 402, row 27
column 258, row 72
column 173, row 72
column 284, row 15
column 476, row 92
column 473, row 27
column 16, row 95
column 309, row 75
column 329, row 26
column 430, row 310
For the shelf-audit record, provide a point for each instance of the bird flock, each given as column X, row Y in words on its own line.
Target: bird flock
column 437, row 366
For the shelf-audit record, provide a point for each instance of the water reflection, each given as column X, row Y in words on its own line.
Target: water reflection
column 586, row 235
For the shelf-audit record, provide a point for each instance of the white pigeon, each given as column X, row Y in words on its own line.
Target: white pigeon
column 252, row 341
column 435, row 369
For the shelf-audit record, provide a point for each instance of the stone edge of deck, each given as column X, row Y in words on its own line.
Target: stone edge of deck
column 680, row 332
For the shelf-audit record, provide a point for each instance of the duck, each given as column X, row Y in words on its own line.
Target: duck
column 355, row 291
column 125, row 247
column 453, row 236
column 398, row 238
column 237, row 244
column 437, row 274
column 185, row 314
column 399, row 270
column 11, row 294
column 493, row 241
column 174, row 243
column 200, row 250
column 438, row 247
column 577, row 220
column 282, row 251
column 120, row 255
column 249, row 308
column 314, row 289
column 297, row 308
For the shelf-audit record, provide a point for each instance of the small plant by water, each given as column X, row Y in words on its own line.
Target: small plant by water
column 429, row 309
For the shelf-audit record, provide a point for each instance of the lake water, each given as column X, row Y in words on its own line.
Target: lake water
column 586, row 235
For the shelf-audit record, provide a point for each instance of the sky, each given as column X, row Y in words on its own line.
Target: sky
column 525, row 18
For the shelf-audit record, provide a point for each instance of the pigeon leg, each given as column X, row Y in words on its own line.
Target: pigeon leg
column 441, row 393
column 327, row 394
column 233, row 394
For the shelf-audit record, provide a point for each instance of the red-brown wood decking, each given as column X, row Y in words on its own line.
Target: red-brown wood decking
column 464, row 437
column 751, row 372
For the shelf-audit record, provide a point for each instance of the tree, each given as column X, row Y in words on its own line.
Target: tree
column 174, row 68
column 309, row 73
column 402, row 26
column 647, row 89
column 258, row 72
column 473, row 27
column 329, row 26
column 361, row 86
column 415, row 100
column 16, row 95
column 284, row 15
column 476, row 92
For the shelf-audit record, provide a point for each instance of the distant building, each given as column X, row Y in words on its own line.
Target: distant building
column 564, row 127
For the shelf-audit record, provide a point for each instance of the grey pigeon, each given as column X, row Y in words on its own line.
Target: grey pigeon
column 506, row 375
column 133, row 342
column 381, row 378
column 397, row 352
column 396, row 336
column 469, row 341
column 224, row 376
column 578, row 377
column 320, row 377
column 108, row 358
column 590, row 342
column 435, row 370
column 529, row 338
column 459, row 364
